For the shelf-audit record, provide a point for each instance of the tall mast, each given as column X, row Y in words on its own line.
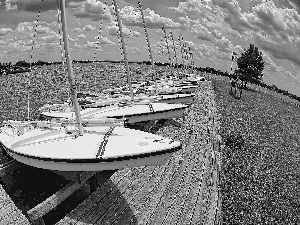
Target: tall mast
column 174, row 48
column 124, row 49
column 70, row 69
column 149, row 47
column 180, row 38
column 166, row 39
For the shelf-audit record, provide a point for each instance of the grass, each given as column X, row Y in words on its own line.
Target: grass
column 260, row 176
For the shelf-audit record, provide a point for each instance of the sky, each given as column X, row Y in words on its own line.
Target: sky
column 213, row 29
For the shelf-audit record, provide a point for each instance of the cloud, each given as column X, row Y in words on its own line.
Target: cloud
column 201, row 31
column 5, row 31
column 88, row 27
column 113, row 30
column 104, row 41
column 224, row 45
column 279, row 50
column 81, row 36
column 34, row 5
column 94, row 10
column 132, row 17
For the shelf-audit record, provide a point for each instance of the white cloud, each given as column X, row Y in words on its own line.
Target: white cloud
column 104, row 41
column 88, row 27
column 81, row 36
column 132, row 17
column 113, row 30
column 94, row 10
column 5, row 31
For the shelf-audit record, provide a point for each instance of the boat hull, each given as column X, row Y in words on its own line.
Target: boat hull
column 133, row 114
column 176, row 99
column 155, row 160
column 99, row 148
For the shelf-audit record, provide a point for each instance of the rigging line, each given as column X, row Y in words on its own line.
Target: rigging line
column 100, row 29
column 174, row 49
column 123, row 47
column 61, row 47
column 166, row 39
column 180, row 39
column 62, row 51
column 160, row 52
column 30, row 64
column 149, row 48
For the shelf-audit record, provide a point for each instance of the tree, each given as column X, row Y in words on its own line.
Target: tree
column 251, row 65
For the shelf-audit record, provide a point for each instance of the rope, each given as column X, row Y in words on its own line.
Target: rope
column 30, row 64
column 166, row 39
column 100, row 29
column 62, row 51
column 103, row 144
column 174, row 49
column 180, row 39
column 61, row 47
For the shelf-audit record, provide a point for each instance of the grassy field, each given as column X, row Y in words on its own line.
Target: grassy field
column 260, row 178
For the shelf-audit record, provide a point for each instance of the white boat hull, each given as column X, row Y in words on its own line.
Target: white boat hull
column 176, row 99
column 100, row 148
column 155, row 160
column 133, row 114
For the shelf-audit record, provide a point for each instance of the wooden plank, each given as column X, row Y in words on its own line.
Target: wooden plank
column 9, row 213
column 132, row 194
column 150, row 199
column 15, row 218
column 214, row 198
column 202, row 199
column 72, row 175
column 198, row 188
column 171, row 190
column 96, row 196
column 54, row 200
column 116, row 209
column 103, row 204
column 182, row 191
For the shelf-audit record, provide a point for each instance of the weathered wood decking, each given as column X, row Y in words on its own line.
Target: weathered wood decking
column 184, row 191
column 9, row 213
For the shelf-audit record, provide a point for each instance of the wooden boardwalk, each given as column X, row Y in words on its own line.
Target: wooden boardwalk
column 184, row 191
column 9, row 213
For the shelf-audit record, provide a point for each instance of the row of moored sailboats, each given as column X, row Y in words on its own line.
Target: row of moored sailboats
column 90, row 134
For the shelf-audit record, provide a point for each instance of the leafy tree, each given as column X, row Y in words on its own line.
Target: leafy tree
column 251, row 65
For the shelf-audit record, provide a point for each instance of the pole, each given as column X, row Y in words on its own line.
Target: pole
column 180, row 38
column 124, row 49
column 70, row 69
column 166, row 39
column 149, row 47
column 174, row 53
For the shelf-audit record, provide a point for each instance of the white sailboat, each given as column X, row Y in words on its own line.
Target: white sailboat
column 85, row 145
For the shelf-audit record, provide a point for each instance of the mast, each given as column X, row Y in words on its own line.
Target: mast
column 180, row 38
column 166, row 39
column 176, row 63
column 149, row 47
column 70, row 69
column 124, row 50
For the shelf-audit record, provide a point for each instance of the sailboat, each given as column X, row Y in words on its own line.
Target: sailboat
column 135, row 110
column 79, row 147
